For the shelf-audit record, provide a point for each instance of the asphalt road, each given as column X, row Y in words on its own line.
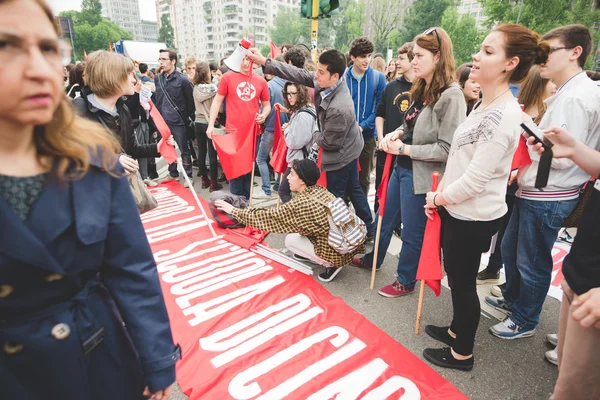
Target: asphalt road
column 504, row 369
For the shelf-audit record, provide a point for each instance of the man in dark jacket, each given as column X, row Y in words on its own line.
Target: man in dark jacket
column 339, row 135
column 175, row 101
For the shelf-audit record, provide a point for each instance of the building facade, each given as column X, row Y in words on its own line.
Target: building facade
column 149, row 31
column 166, row 7
column 473, row 8
column 125, row 13
column 210, row 29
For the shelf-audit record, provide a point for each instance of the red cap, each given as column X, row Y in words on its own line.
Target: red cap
column 245, row 43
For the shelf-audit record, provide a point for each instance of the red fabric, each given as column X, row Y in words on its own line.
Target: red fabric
column 430, row 263
column 167, row 151
column 279, row 158
column 243, row 96
column 237, row 150
column 323, row 178
column 302, row 331
column 274, row 50
column 521, row 158
column 383, row 186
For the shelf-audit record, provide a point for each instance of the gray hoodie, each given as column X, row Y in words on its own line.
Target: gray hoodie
column 299, row 133
column 203, row 97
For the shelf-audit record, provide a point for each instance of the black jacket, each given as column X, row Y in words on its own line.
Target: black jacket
column 180, row 90
column 394, row 104
column 121, row 125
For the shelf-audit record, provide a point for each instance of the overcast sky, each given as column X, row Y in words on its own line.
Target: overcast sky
column 147, row 7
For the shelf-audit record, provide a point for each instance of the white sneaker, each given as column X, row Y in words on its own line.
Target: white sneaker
column 150, row 182
column 552, row 356
column 552, row 338
column 260, row 194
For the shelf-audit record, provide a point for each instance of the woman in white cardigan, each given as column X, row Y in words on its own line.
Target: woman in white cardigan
column 471, row 196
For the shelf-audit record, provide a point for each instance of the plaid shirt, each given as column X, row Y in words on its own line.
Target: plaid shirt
column 327, row 92
column 300, row 215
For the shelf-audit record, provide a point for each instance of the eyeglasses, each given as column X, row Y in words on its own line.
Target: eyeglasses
column 290, row 94
column 556, row 48
column 164, row 59
column 431, row 31
column 16, row 50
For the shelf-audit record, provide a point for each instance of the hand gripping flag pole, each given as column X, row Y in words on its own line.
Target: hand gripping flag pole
column 429, row 271
column 382, row 193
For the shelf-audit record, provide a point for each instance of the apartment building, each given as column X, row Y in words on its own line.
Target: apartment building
column 473, row 8
column 149, row 31
column 125, row 13
column 166, row 7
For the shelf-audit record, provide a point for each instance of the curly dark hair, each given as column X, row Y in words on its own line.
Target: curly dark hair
column 302, row 100
column 361, row 47
column 295, row 56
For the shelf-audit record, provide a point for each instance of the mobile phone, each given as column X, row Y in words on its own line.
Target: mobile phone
column 538, row 136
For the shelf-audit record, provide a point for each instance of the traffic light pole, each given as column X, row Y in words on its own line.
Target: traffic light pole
column 314, row 30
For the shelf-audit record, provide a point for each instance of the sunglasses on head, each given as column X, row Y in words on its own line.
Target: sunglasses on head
column 431, row 31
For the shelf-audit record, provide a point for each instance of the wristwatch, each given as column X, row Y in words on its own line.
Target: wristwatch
column 401, row 150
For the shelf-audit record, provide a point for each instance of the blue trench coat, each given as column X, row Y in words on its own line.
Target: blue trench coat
column 82, row 315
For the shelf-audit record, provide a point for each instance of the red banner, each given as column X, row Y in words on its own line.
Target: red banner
column 251, row 328
column 237, row 151
column 279, row 158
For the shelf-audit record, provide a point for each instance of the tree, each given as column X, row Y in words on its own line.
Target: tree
column 383, row 15
column 166, row 33
column 290, row 27
column 91, row 12
column 464, row 34
column 421, row 15
column 265, row 49
column 544, row 15
column 349, row 24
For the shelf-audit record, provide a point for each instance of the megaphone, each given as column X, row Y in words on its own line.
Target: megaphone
column 234, row 61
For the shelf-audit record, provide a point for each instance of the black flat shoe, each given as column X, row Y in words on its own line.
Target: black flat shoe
column 443, row 358
column 440, row 334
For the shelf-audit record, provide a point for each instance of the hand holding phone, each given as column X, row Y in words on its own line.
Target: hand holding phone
column 532, row 130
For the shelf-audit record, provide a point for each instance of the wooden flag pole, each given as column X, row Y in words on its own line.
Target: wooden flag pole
column 375, row 251
column 420, row 307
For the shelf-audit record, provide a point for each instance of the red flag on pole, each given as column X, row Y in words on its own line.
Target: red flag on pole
column 167, row 151
column 521, row 158
column 383, row 186
column 323, row 178
column 274, row 50
column 430, row 263
column 84, row 55
column 279, row 159
column 237, row 151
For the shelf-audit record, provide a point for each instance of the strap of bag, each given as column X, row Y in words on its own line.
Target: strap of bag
column 170, row 100
column 309, row 111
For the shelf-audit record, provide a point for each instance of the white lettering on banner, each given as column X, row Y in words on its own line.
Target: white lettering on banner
column 352, row 385
column 319, row 367
column 167, row 261
column 200, row 282
column 175, row 273
column 160, row 233
column 243, row 385
column 218, row 342
column 264, row 337
column 204, row 311
column 179, row 274
column 168, row 213
column 393, row 385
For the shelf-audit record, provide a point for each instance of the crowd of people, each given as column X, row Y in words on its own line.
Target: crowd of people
column 70, row 137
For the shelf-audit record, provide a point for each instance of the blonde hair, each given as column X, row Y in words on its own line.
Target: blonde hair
column 444, row 73
column 69, row 142
column 378, row 64
column 189, row 61
column 106, row 72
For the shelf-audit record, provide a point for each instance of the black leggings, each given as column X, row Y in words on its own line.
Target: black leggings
column 203, row 143
column 285, row 194
column 463, row 242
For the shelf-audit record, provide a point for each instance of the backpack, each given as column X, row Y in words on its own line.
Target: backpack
column 346, row 230
column 305, row 152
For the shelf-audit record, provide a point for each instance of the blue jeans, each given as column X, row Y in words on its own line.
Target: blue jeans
column 527, row 255
column 344, row 182
column 241, row 185
column 180, row 135
column 402, row 204
column 265, row 144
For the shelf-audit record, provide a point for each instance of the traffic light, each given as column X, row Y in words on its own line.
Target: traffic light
column 327, row 8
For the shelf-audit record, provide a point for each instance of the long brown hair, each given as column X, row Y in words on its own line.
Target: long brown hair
column 202, row 75
column 69, row 142
column 462, row 75
column 443, row 75
column 302, row 100
column 531, row 93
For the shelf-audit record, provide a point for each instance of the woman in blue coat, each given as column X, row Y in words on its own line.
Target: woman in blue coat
column 81, row 311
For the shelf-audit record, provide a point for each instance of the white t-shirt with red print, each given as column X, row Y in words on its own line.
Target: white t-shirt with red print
column 243, row 96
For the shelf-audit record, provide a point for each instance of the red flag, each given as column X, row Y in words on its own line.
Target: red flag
column 84, row 55
column 521, row 158
column 274, row 50
column 278, row 160
column 323, row 178
column 167, row 151
column 430, row 263
column 237, row 151
column 383, row 186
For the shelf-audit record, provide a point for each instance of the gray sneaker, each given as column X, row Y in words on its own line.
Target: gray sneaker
column 552, row 338
column 507, row 329
column 552, row 356
column 499, row 304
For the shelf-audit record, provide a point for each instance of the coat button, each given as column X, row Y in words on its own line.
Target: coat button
column 5, row 290
column 53, row 277
column 61, row 331
column 12, row 348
